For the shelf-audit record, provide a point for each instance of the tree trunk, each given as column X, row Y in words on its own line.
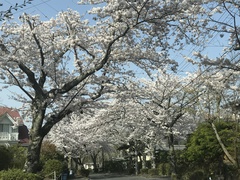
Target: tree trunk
column 94, row 160
column 153, row 159
column 172, row 153
column 144, row 161
column 39, row 130
column 136, row 161
column 33, row 154
column 103, row 160
column 36, row 135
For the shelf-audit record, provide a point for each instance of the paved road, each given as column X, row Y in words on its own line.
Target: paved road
column 119, row 177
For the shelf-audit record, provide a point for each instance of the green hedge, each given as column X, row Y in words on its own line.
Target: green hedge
column 53, row 165
column 153, row 172
column 5, row 158
column 164, row 169
column 17, row 174
column 14, row 157
column 84, row 172
column 198, row 174
column 115, row 166
column 144, row 171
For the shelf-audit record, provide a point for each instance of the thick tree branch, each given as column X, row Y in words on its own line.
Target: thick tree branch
column 228, row 155
column 56, row 118
column 31, row 78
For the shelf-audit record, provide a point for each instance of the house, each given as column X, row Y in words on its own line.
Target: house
column 12, row 128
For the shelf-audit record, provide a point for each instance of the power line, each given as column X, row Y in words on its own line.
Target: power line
column 208, row 68
column 7, row 14
column 203, row 41
column 185, row 65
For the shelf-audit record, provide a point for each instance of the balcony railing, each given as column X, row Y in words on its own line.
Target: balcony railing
column 5, row 136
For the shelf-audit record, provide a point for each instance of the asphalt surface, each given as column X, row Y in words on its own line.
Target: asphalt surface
column 118, row 177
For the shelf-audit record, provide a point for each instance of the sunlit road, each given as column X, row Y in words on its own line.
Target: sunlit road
column 119, row 177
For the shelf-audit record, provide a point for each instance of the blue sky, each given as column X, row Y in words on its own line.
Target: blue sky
column 46, row 8
column 49, row 8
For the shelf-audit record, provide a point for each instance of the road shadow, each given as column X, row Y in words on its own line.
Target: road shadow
column 105, row 176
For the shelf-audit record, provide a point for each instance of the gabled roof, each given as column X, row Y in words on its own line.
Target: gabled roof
column 9, row 118
column 13, row 113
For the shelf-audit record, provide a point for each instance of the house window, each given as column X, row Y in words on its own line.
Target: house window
column 14, row 130
column 4, row 127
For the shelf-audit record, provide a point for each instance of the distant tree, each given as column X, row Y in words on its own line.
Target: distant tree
column 83, row 137
column 168, row 103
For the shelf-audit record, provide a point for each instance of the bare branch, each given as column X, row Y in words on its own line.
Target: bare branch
column 42, row 78
column 8, row 13
column 20, row 86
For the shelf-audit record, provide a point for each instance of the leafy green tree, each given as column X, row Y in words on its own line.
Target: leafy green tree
column 53, row 165
column 203, row 151
column 49, row 152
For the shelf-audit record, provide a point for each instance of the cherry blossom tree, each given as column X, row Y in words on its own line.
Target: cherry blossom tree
column 102, row 130
column 148, row 111
column 69, row 62
column 84, row 135
column 168, row 102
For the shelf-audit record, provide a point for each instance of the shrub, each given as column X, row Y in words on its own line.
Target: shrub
column 53, row 165
column 5, row 158
column 19, row 156
column 153, row 172
column 49, row 151
column 164, row 169
column 84, row 172
column 17, row 174
column 115, row 166
column 144, row 171
column 13, row 157
column 197, row 175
